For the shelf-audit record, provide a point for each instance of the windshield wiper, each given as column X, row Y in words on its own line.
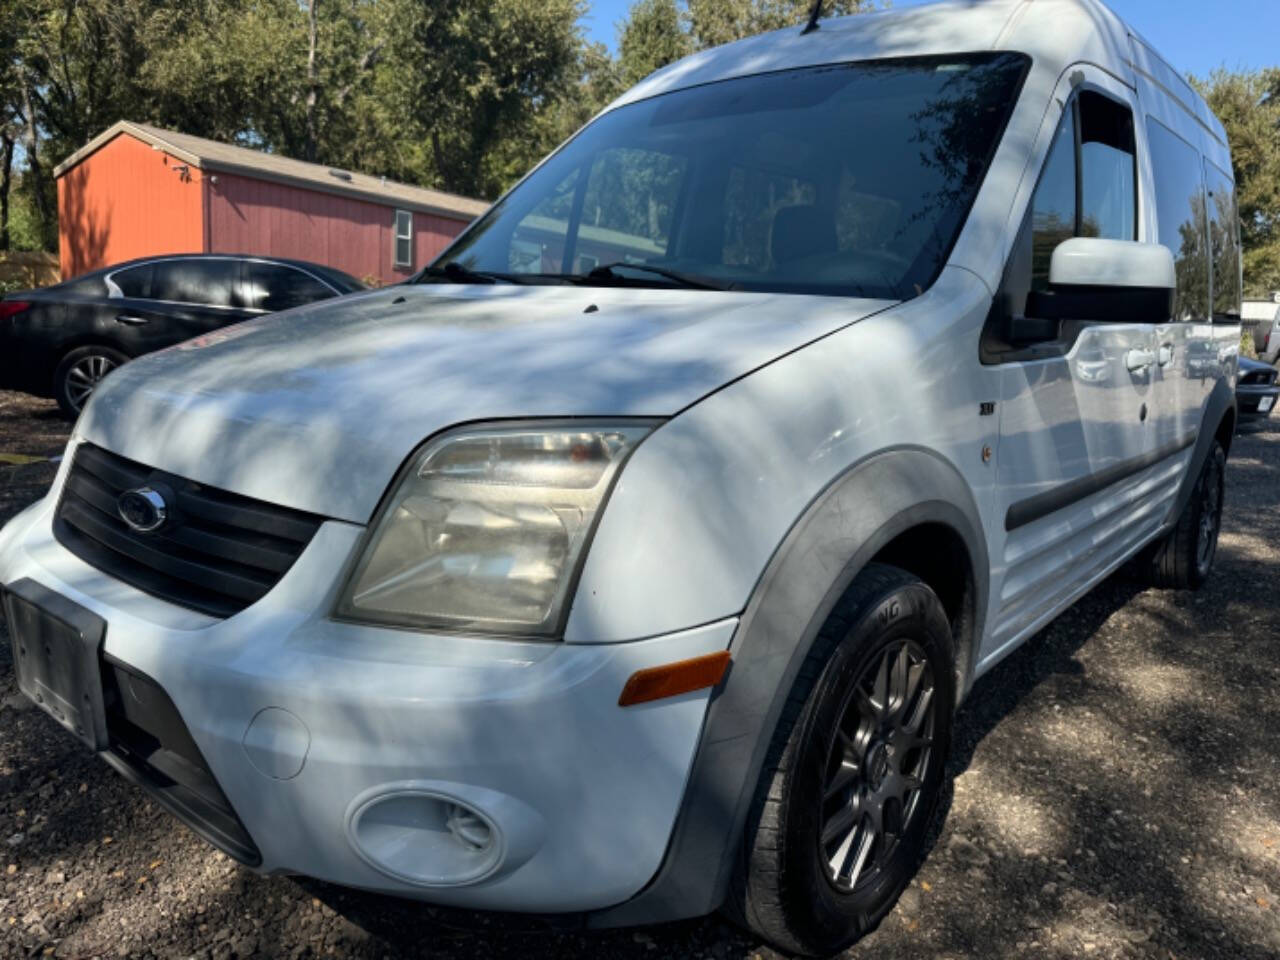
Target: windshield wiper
column 611, row 271
column 457, row 273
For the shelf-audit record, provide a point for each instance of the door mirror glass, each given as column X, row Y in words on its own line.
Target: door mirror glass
column 1107, row 281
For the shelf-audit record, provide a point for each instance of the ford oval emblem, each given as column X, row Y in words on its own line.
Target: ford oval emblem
column 143, row 509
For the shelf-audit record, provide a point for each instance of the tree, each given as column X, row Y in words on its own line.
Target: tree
column 1248, row 104
column 652, row 36
column 713, row 22
column 460, row 94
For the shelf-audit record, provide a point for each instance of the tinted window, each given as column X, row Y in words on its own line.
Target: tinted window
column 1180, row 211
column 1095, row 136
column 1224, row 244
column 846, row 179
column 1053, row 208
column 1108, row 173
column 273, row 286
column 134, row 282
column 209, row 282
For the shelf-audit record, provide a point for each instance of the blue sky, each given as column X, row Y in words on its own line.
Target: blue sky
column 1194, row 35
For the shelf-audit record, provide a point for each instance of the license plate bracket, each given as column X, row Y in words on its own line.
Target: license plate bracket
column 56, row 646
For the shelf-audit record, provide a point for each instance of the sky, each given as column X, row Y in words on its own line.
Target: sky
column 1247, row 33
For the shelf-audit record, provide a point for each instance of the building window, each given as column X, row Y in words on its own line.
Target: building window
column 402, row 247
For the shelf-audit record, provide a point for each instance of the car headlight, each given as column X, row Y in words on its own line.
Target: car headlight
column 486, row 528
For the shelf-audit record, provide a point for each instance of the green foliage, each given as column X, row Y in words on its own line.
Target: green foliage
column 463, row 95
column 1248, row 104
column 1247, row 347
column 654, row 35
column 713, row 22
column 25, row 230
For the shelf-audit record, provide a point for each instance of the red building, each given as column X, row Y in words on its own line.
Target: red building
column 136, row 191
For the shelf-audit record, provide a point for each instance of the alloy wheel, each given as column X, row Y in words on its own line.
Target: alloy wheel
column 1210, row 514
column 84, row 375
column 876, row 765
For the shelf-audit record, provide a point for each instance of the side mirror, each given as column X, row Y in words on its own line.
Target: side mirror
column 1107, row 281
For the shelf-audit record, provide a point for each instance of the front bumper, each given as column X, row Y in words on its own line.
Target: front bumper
column 337, row 744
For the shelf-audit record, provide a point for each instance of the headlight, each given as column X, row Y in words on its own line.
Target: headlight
column 486, row 528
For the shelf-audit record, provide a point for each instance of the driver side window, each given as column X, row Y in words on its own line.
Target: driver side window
column 1089, row 184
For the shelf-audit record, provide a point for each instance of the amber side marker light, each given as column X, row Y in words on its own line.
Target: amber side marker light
column 673, row 679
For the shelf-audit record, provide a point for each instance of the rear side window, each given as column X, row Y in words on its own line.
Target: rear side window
column 1224, row 244
column 1181, row 213
column 1089, row 184
column 134, row 282
column 274, row 286
column 206, row 282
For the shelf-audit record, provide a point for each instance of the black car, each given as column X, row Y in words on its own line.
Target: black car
column 1256, row 389
column 61, row 340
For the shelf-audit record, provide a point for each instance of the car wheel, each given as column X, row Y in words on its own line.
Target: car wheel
column 79, row 372
column 853, row 774
column 1183, row 559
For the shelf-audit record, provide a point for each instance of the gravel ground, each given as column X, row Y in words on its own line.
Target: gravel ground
column 1113, row 793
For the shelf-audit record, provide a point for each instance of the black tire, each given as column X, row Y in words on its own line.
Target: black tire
column 784, row 888
column 1183, row 558
column 79, row 372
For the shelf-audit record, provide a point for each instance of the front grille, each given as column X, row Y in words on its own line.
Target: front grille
column 1259, row 378
column 217, row 552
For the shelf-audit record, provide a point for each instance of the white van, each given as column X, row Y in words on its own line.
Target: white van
column 632, row 561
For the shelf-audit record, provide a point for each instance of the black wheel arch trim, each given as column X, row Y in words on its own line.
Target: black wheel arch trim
column 840, row 532
column 1220, row 403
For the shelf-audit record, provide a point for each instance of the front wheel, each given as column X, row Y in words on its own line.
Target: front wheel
column 79, row 372
column 1183, row 559
column 854, row 771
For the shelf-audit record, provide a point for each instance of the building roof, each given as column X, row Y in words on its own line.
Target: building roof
column 212, row 156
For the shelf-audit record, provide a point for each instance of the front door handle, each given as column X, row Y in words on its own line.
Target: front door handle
column 131, row 321
column 1137, row 360
column 1166, row 354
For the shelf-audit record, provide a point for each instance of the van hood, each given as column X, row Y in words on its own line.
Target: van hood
column 318, row 407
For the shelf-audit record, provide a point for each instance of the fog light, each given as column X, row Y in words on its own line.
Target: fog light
column 425, row 838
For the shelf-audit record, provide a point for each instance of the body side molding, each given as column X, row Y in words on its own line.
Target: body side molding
column 1060, row 497
column 843, row 528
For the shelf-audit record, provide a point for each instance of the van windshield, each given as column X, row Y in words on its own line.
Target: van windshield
column 852, row 179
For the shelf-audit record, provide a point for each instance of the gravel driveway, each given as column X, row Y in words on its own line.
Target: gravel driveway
column 1115, row 793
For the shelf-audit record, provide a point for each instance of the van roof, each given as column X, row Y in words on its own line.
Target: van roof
column 1055, row 33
